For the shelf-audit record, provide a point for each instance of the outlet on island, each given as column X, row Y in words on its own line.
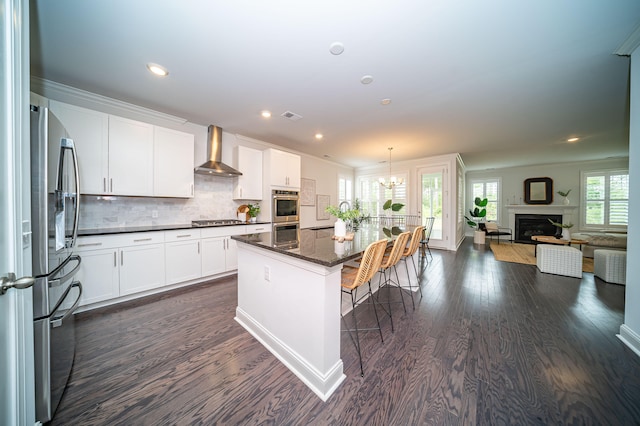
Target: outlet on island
column 154, row 214
column 267, row 273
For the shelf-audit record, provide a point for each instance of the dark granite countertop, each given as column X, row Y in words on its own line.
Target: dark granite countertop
column 131, row 229
column 316, row 245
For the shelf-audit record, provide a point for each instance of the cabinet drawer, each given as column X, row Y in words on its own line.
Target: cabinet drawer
column 257, row 229
column 141, row 238
column 223, row 231
column 181, row 235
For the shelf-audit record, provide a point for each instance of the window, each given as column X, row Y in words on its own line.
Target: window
column 345, row 189
column 373, row 195
column 605, row 199
column 489, row 189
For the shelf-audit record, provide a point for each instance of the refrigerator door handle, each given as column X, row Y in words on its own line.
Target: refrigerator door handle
column 67, row 143
column 54, row 282
column 57, row 322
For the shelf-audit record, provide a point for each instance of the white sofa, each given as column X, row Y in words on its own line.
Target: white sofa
column 601, row 240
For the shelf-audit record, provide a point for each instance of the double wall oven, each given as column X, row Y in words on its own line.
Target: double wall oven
column 285, row 215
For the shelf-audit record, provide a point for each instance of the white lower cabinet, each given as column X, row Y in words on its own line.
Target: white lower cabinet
column 141, row 268
column 98, row 274
column 125, row 264
column 214, row 256
column 182, row 255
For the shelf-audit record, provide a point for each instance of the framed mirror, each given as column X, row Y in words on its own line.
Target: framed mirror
column 538, row 190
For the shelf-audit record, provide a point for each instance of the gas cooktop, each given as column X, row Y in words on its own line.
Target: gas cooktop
column 216, row 222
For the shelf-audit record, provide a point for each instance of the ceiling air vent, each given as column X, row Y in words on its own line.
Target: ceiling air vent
column 291, row 115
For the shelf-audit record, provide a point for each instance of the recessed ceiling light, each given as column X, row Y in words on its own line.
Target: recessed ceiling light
column 266, row 114
column 336, row 48
column 319, row 136
column 157, row 69
column 385, row 101
column 573, row 139
column 366, row 79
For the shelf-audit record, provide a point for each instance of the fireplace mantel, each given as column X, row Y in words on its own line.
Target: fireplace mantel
column 567, row 212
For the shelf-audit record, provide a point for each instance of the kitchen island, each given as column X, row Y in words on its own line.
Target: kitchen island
column 289, row 299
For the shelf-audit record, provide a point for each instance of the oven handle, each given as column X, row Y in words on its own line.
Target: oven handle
column 57, row 322
column 286, row 197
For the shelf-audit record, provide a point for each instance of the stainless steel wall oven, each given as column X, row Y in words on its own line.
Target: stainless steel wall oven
column 285, row 207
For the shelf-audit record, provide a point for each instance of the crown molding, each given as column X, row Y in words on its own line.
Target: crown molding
column 63, row 93
column 630, row 44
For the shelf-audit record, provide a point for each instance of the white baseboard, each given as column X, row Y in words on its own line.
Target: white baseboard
column 630, row 338
column 322, row 384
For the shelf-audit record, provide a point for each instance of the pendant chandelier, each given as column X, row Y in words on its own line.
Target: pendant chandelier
column 393, row 181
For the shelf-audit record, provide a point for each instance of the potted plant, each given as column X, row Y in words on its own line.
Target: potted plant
column 390, row 205
column 565, row 194
column 566, row 234
column 476, row 217
column 254, row 209
column 343, row 216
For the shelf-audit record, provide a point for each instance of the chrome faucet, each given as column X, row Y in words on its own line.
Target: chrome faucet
column 344, row 203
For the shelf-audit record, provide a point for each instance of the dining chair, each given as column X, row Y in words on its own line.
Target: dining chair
column 389, row 261
column 352, row 279
column 424, row 243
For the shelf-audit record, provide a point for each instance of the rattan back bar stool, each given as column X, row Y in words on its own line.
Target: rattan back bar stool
column 352, row 280
column 389, row 261
column 409, row 251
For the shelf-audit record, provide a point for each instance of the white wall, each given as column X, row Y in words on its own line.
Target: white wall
column 630, row 330
column 565, row 176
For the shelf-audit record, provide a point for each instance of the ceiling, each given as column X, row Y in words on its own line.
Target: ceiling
column 501, row 82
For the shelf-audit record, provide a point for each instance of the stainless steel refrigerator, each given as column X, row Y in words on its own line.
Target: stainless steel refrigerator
column 55, row 198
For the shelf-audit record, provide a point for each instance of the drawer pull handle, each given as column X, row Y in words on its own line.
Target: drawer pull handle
column 142, row 239
column 183, row 236
column 89, row 244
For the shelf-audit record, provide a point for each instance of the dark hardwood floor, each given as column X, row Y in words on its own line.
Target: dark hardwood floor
column 490, row 343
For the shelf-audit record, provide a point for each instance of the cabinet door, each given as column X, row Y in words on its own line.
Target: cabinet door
column 213, row 256
column 283, row 169
column 90, row 133
column 139, row 268
column 183, row 262
column 130, row 157
column 293, row 171
column 231, row 255
column 249, row 185
column 278, row 168
column 98, row 274
column 172, row 163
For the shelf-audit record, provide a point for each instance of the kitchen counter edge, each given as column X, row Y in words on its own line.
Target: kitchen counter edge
column 150, row 228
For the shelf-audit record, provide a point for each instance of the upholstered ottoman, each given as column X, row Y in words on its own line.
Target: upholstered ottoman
column 610, row 265
column 559, row 260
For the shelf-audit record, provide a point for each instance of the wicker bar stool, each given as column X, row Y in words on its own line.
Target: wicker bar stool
column 352, row 279
column 390, row 260
column 408, row 253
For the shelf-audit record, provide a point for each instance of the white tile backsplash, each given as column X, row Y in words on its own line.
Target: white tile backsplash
column 213, row 200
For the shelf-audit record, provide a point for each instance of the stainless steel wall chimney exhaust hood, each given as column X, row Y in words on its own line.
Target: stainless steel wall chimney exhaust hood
column 214, row 166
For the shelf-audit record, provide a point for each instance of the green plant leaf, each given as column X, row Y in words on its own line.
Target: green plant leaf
column 387, row 232
column 481, row 202
column 386, row 205
column 396, row 207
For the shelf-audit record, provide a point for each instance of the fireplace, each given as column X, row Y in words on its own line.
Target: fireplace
column 528, row 225
column 557, row 212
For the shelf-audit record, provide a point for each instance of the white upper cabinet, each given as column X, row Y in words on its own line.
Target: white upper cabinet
column 130, row 157
column 119, row 156
column 90, row 133
column 249, row 162
column 282, row 169
column 172, row 163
